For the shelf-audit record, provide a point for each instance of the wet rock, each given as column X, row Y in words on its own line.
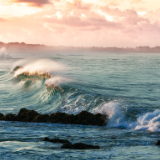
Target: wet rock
column 42, row 118
column 1, row 116
column 57, row 117
column 87, row 118
column 21, row 113
column 84, row 117
column 56, row 140
column 10, row 117
column 68, row 145
column 101, row 119
column 158, row 143
column 62, row 118
column 69, row 119
column 79, row 146
column 25, row 115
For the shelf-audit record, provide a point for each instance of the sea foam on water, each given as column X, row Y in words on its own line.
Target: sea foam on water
column 149, row 121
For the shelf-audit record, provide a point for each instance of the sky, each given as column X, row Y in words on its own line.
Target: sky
column 103, row 23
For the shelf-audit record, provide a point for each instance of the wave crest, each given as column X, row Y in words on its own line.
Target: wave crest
column 40, row 69
column 117, row 118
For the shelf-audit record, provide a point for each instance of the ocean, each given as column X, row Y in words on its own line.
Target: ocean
column 124, row 86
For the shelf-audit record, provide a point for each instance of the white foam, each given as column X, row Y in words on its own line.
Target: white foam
column 149, row 121
column 116, row 115
column 55, row 71
column 40, row 66
column 56, row 81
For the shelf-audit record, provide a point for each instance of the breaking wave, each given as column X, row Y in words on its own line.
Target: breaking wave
column 117, row 118
column 40, row 69
column 64, row 97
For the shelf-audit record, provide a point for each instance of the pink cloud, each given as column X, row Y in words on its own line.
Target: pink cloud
column 33, row 3
column 127, row 28
column 2, row 20
column 78, row 4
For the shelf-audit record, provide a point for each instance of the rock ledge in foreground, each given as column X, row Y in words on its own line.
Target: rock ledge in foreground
column 84, row 117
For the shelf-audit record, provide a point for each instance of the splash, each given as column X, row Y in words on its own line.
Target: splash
column 56, row 81
column 40, row 69
column 149, row 121
column 41, row 66
column 117, row 118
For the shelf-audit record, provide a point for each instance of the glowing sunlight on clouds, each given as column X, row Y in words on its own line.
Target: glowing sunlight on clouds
column 81, row 22
column 58, row 14
column 17, row 10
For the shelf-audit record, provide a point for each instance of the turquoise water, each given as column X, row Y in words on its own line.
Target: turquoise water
column 123, row 86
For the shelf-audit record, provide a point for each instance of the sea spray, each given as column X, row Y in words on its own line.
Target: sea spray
column 56, row 81
column 3, row 53
column 39, row 69
column 149, row 121
column 76, row 102
column 38, row 66
column 117, row 118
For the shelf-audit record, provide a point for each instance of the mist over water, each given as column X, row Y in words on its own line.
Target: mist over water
column 3, row 53
column 123, row 86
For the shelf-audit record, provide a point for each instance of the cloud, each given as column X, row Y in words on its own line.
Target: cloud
column 63, row 24
column 33, row 3
column 81, row 23
column 3, row 20
column 78, row 4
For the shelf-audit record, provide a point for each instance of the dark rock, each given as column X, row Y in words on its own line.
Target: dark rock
column 84, row 117
column 101, row 119
column 57, row 117
column 68, row 145
column 158, row 143
column 56, row 140
column 79, row 146
column 25, row 115
column 69, row 119
column 42, row 118
column 10, row 117
column 30, row 115
column 62, row 118
column 21, row 114
column 1, row 116
column 87, row 118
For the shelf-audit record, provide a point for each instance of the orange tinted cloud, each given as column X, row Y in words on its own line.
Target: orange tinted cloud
column 77, row 4
column 77, row 23
column 2, row 20
column 34, row 3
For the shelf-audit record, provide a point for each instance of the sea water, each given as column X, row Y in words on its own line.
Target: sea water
column 124, row 86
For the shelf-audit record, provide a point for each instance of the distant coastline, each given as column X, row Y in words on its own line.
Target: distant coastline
column 16, row 46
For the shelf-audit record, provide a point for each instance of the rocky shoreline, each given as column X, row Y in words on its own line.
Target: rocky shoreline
column 83, row 118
